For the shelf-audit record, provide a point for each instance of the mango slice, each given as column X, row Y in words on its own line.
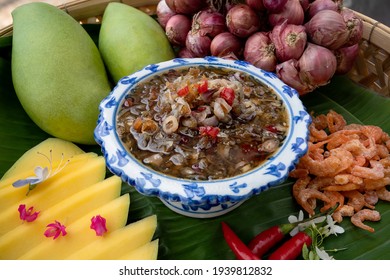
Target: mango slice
column 79, row 234
column 27, row 235
column 7, row 182
column 52, row 191
column 148, row 251
column 61, row 149
column 119, row 242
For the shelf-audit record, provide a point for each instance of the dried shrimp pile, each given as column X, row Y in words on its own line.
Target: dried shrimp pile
column 347, row 164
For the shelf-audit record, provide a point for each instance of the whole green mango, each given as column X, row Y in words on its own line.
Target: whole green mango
column 57, row 72
column 129, row 40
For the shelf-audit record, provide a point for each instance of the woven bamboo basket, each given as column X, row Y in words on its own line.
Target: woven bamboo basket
column 371, row 69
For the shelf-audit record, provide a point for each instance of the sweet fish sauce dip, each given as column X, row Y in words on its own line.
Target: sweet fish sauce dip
column 202, row 123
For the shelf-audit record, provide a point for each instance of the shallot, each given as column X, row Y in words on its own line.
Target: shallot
column 345, row 58
column 260, row 51
column 185, row 53
column 317, row 65
column 198, row 44
column 185, row 6
column 274, row 6
column 225, row 44
column 319, row 5
column 208, row 22
column 164, row 13
column 328, row 29
column 256, row 5
column 354, row 26
column 289, row 40
column 177, row 29
column 288, row 72
column 242, row 21
column 292, row 12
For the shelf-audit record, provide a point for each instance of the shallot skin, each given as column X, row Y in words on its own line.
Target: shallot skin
column 292, row 12
column 289, row 40
column 185, row 6
column 198, row 44
column 164, row 13
column 317, row 65
column 354, row 26
column 226, row 44
column 328, row 29
column 260, row 51
column 209, row 22
column 242, row 21
column 177, row 29
column 346, row 57
column 320, row 5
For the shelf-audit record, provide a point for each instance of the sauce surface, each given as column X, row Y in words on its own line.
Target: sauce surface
column 202, row 123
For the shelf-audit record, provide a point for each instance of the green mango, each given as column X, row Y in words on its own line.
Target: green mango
column 57, row 72
column 129, row 40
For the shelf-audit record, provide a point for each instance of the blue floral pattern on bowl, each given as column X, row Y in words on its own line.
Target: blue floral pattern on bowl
column 202, row 199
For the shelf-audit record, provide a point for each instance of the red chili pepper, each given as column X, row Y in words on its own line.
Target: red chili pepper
column 228, row 94
column 292, row 248
column 240, row 250
column 271, row 128
column 211, row 131
column 183, row 91
column 268, row 238
column 202, row 88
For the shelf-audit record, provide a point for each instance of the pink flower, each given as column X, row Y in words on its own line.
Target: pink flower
column 55, row 229
column 98, row 223
column 27, row 214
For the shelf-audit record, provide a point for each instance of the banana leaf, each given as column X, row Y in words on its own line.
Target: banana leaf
column 184, row 238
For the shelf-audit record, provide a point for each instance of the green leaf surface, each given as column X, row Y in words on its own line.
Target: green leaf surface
column 189, row 238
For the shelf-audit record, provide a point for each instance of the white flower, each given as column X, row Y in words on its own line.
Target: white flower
column 304, row 225
column 41, row 174
column 332, row 227
column 293, row 219
column 323, row 255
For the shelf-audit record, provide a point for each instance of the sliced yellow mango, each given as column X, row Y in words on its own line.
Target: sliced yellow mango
column 148, row 251
column 61, row 149
column 51, row 192
column 7, row 182
column 79, row 233
column 27, row 235
column 119, row 242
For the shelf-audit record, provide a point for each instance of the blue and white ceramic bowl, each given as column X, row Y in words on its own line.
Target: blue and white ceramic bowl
column 202, row 199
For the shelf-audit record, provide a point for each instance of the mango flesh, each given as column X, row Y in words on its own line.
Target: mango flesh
column 14, row 244
column 119, row 242
column 148, row 251
column 48, row 194
column 57, row 72
column 71, row 177
column 72, row 196
column 129, row 40
column 60, row 150
column 79, row 234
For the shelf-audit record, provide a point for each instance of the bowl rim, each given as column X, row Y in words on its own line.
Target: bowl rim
column 195, row 192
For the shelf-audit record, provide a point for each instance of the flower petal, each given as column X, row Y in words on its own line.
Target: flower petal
column 27, row 181
column 98, row 223
column 55, row 230
column 323, row 254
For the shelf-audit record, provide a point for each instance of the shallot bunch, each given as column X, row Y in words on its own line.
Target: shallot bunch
column 305, row 42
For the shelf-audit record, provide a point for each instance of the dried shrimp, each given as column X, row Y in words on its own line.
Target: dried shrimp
column 348, row 164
